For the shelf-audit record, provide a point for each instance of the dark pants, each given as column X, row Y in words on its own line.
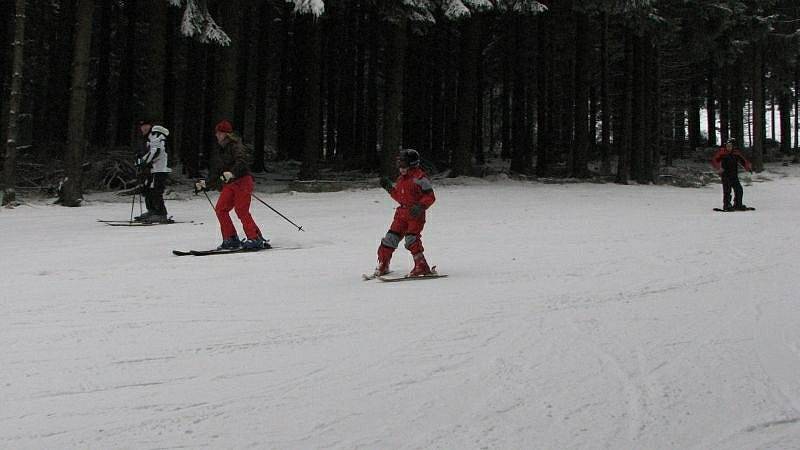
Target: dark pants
column 154, row 193
column 728, row 183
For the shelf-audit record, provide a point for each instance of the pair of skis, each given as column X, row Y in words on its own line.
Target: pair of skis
column 223, row 251
column 390, row 279
column 734, row 210
column 128, row 223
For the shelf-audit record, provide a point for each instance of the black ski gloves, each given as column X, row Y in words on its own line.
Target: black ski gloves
column 416, row 210
column 387, row 184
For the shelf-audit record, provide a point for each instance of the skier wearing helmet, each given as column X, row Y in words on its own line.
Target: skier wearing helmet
column 414, row 192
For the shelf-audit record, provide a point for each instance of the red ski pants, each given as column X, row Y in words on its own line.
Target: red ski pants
column 403, row 226
column 236, row 196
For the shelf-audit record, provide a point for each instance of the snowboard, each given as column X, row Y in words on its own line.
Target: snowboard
column 735, row 210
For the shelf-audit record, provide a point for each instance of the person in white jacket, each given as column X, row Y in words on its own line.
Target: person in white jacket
column 153, row 170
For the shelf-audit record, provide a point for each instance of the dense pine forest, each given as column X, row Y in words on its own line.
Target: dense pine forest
column 611, row 88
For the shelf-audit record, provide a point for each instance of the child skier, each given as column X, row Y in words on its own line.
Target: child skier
column 151, row 164
column 414, row 191
column 234, row 179
column 726, row 162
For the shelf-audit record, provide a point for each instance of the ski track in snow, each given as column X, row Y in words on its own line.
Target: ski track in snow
column 574, row 316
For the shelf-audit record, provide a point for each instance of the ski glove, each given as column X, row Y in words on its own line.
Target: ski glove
column 200, row 186
column 226, row 176
column 386, row 183
column 416, row 210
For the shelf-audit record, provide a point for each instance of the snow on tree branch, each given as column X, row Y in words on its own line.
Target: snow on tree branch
column 315, row 7
column 198, row 23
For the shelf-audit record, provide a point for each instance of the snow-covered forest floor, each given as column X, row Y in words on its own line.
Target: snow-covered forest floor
column 575, row 316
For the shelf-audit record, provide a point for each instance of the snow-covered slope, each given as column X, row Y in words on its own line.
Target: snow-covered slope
column 574, row 316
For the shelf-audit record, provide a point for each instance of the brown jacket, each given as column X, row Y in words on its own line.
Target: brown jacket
column 232, row 156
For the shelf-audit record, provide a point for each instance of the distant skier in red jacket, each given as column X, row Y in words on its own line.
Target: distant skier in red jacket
column 414, row 191
column 726, row 162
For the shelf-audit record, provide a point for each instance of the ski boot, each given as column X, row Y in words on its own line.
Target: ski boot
column 231, row 243
column 384, row 258
column 382, row 269
column 740, row 207
column 256, row 243
column 421, row 267
column 143, row 217
column 156, row 218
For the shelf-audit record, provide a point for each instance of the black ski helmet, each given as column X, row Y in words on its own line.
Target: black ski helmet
column 408, row 157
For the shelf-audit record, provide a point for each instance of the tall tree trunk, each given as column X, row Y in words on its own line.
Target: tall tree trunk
column 193, row 130
column 359, row 154
column 242, row 67
column 759, row 112
column 153, row 80
column 505, row 111
column 772, row 103
column 653, row 108
column 711, row 106
column 480, row 89
column 521, row 156
column 5, row 25
column 262, row 71
column 638, row 121
column 373, row 162
column 14, row 103
column 312, row 55
column 284, row 119
column 623, row 163
column 605, row 102
column 785, row 106
column 694, row 115
column 100, row 134
column 72, row 189
column 127, row 78
column 332, row 54
column 169, row 98
column 54, row 109
column 544, row 95
column 226, row 86
column 580, row 151
column 437, row 93
column 797, row 106
column 461, row 157
column 346, row 134
column 724, row 109
column 737, row 102
column 393, row 98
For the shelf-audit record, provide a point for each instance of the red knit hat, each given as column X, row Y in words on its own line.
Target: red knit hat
column 223, row 127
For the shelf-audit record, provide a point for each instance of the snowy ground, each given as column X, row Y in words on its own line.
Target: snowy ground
column 575, row 316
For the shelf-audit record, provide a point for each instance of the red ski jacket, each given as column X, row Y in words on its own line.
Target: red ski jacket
column 728, row 161
column 413, row 187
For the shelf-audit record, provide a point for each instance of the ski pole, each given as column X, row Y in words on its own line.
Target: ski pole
column 209, row 201
column 299, row 228
column 133, row 203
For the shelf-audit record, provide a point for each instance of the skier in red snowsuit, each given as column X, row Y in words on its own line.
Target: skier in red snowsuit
column 726, row 162
column 414, row 191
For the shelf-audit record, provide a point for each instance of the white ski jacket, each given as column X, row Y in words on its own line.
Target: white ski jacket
column 156, row 156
